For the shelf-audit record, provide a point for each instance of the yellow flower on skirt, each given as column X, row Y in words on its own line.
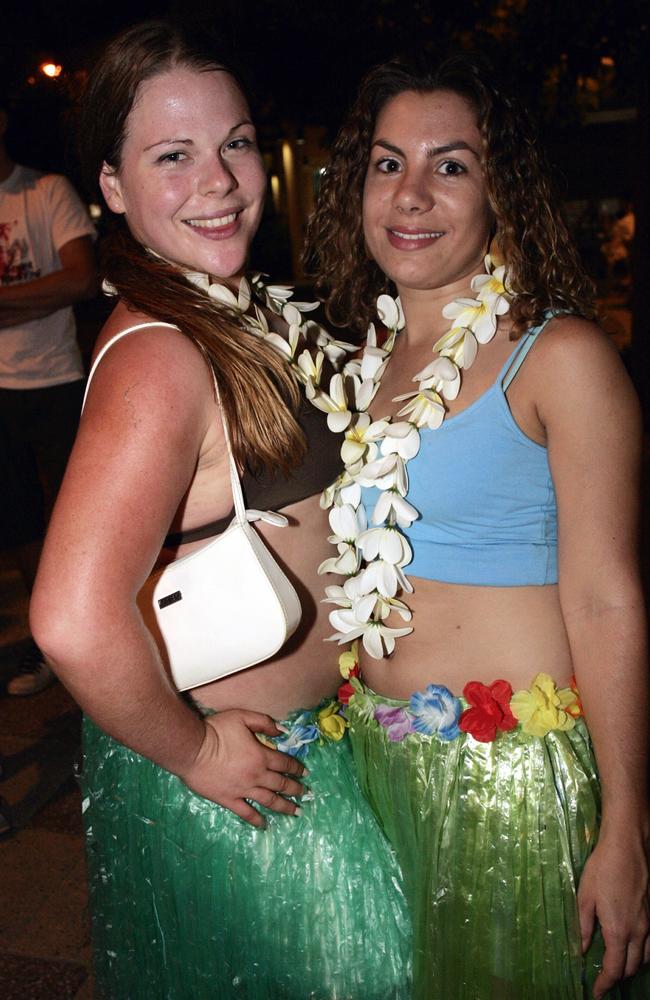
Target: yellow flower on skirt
column 330, row 723
column 349, row 659
column 544, row 707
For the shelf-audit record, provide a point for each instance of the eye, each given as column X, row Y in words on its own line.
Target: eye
column 173, row 157
column 452, row 168
column 388, row 165
column 240, row 143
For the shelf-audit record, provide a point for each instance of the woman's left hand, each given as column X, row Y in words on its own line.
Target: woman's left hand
column 614, row 889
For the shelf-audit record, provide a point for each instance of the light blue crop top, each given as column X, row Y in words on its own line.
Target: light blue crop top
column 488, row 513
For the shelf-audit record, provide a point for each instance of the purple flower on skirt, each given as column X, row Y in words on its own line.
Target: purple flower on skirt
column 436, row 710
column 396, row 721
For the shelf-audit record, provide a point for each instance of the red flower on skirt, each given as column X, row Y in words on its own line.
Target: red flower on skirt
column 489, row 712
column 575, row 709
column 346, row 690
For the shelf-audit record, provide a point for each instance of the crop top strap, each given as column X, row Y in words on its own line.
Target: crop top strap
column 519, row 356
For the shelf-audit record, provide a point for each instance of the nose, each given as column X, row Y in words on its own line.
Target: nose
column 217, row 178
column 414, row 194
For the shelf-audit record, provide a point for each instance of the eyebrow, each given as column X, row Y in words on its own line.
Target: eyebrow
column 434, row 151
column 189, row 142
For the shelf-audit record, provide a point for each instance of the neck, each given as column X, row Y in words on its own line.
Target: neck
column 6, row 164
column 423, row 307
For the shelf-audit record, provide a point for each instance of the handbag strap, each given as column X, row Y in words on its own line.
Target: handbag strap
column 241, row 514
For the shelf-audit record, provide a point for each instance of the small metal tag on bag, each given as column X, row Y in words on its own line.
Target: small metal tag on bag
column 174, row 598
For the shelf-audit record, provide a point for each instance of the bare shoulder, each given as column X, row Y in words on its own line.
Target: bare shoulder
column 577, row 367
column 572, row 350
column 155, row 362
column 574, row 341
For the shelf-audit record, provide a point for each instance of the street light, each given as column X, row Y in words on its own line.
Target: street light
column 53, row 70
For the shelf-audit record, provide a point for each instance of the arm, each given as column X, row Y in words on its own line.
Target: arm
column 591, row 417
column 74, row 282
column 135, row 457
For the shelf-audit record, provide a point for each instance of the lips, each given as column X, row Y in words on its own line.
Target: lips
column 413, row 239
column 216, row 227
column 216, row 222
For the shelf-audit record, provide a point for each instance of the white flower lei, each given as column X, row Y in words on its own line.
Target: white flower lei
column 307, row 364
column 375, row 453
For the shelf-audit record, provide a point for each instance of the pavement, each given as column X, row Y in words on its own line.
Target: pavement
column 44, row 926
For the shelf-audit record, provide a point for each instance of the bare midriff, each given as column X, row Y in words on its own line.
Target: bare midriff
column 306, row 669
column 467, row 633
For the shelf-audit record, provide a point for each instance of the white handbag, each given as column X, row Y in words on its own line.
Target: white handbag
column 226, row 606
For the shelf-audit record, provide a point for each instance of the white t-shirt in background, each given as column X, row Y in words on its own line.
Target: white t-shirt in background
column 39, row 214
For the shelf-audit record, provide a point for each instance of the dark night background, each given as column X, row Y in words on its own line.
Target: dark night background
column 307, row 57
column 581, row 65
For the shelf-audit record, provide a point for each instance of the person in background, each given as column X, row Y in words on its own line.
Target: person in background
column 47, row 264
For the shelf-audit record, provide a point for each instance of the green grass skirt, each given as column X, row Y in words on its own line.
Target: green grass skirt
column 189, row 902
column 492, row 839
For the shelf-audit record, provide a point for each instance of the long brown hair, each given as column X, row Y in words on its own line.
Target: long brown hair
column 259, row 393
column 543, row 266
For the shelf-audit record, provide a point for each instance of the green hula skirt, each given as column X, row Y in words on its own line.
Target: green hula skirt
column 189, row 902
column 492, row 839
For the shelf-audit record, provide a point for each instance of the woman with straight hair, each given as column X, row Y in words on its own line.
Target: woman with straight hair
column 489, row 513
column 211, row 873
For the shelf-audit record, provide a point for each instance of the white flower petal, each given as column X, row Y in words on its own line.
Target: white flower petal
column 372, row 642
column 404, row 444
column 405, row 512
column 224, row 295
column 352, row 451
column 388, row 311
column 291, row 315
column 244, row 295
column 351, row 494
column 281, row 292
column 363, row 607
column 306, row 307
column 279, row 343
column 343, row 621
column 197, row 278
column 338, row 421
column 392, row 546
column 365, row 393
column 337, row 391
column 372, row 362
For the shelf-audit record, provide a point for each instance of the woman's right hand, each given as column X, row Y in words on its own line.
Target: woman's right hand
column 233, row 767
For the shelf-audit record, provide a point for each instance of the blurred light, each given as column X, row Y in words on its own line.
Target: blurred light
column 322, row 170
column 607, row 61
column 95, row 211
column 51, row 69
column 300, row 142
column 275, row 191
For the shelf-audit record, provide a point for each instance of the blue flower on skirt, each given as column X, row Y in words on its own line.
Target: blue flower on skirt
column 436, row 710
column 296, row 742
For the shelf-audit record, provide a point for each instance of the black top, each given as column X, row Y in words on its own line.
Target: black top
column 273, row 490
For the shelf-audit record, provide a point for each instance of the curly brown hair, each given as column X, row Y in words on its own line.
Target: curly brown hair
column 544, row 270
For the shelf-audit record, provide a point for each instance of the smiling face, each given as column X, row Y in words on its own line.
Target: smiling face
column 426, row 215
column 191, row 182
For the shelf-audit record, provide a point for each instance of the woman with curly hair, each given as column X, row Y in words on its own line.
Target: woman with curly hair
column 211, row 873
column 493, row 507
